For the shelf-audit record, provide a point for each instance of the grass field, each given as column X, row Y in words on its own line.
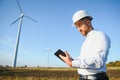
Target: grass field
column 49, row 73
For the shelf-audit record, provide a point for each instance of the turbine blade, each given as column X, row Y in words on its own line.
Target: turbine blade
column 19, row 6
column 15, row 21
column 31, row 18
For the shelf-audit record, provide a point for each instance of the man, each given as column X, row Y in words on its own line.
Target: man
column 94, row 51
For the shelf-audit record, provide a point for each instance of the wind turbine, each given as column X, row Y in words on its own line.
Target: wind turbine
column 48, row 52
column 19, row 30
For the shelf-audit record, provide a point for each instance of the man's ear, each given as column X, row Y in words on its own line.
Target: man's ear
column 88, row 22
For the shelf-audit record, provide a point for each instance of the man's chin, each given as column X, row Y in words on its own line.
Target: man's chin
column 83, row 33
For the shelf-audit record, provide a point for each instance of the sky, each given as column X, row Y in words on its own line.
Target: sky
column 53, row 30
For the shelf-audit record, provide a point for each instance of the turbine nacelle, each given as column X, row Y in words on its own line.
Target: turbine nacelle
column 22, row 15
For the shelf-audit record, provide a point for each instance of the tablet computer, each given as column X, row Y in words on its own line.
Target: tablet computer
column 60, row 52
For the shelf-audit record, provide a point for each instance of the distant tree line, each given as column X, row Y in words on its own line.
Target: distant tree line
column 110, row 64
column 7, row 66
column 114, row 64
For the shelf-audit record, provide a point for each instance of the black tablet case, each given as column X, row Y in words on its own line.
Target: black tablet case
column 58, row 52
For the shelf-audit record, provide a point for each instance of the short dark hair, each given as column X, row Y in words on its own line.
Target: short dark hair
column 90, row 18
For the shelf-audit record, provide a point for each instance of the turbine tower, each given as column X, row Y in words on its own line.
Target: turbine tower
column 19, row 31
column 48, row 52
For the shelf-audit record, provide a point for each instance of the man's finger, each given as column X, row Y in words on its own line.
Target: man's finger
column 62, row 57
column 66, row 53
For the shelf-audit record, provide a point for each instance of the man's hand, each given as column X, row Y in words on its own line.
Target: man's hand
column 66, row 59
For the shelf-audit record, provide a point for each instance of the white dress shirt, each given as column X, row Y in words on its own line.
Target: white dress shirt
column 93, row 55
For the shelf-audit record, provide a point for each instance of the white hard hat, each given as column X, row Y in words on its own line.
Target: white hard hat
column 80, row 15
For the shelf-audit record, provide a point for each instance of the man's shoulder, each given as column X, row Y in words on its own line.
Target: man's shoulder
column 99, row 33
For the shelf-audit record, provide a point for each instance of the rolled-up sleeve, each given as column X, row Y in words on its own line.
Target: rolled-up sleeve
column 76, row 62
column 92, row 62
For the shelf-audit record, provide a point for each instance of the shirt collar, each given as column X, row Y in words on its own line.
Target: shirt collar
column 90, row 33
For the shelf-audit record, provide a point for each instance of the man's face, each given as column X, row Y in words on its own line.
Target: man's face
column 82, row 26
